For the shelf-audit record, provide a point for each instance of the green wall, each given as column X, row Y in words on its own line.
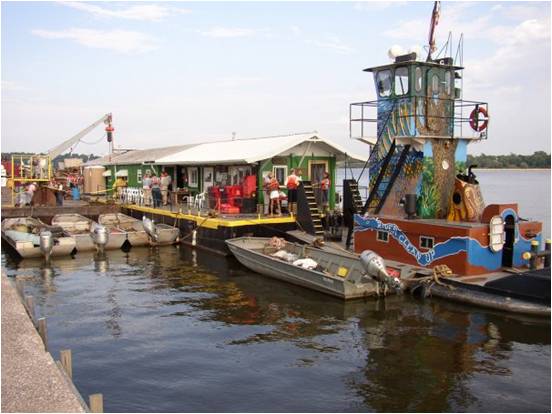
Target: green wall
column 293, row 162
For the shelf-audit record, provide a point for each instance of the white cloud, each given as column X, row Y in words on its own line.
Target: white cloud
column 332, row 43
column 149, row 12
column 123, row 41
column 227, row 32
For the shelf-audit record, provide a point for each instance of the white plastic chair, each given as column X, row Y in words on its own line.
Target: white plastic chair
column 199, row 200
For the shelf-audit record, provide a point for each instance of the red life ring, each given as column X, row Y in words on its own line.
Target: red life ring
column 474, row 119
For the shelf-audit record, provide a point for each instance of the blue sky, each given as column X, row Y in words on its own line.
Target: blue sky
column 181, row 72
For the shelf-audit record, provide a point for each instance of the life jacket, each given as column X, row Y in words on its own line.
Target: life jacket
column 292, row 182
column 274, row 185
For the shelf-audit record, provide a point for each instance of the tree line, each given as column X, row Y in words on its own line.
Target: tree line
column 6, row 156
column 539, row 159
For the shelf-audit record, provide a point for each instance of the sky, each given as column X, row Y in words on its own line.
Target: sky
column 185, row 72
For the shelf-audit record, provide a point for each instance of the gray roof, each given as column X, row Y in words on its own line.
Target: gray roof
column 130, row 157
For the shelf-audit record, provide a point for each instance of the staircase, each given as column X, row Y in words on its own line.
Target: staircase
column 389, row 171
column 308, row 215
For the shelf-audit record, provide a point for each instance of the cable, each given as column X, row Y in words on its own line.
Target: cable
column 95, row 142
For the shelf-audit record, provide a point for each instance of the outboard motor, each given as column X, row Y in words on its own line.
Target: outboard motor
column 375, row 267
column 100, row 236
column 150, row 228
column 46, row 244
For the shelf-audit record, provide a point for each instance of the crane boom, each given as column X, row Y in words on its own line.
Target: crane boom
column 54, row 152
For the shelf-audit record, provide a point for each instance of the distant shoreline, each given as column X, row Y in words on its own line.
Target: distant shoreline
column 512, row 169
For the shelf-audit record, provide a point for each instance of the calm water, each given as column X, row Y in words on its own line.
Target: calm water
column 172, row 330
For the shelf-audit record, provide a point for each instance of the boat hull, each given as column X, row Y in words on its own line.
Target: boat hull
column 288, row 272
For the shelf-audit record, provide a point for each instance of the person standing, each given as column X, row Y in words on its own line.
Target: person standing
column 165, row 183
column 274, row 188
column 156, row 191
column 266, row 192
column 325, row 189
column 146, row 187
column 292, row 182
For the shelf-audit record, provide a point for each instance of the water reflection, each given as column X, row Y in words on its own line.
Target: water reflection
column 176, row 311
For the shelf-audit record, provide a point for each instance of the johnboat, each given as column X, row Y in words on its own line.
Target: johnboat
column 425, row 208
column 85, row 230
column 30, row 237
column 335, row 274
column 140, row 233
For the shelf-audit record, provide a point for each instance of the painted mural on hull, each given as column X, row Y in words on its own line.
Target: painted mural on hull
column 477, row 253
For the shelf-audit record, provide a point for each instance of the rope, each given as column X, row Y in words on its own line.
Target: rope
column 92, row 143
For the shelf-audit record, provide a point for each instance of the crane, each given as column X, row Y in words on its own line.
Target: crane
column 106, row 119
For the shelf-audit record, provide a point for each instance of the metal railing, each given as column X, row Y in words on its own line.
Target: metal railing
column 454, row 114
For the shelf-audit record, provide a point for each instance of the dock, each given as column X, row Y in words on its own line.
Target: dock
column 31, row 380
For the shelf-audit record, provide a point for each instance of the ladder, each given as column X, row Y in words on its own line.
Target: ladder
column 384, row 181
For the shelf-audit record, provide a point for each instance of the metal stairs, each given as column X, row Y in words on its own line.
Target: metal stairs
column 308, row 215
column 388, row 173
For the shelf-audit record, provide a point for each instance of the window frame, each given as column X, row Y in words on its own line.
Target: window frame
column 448, row 82
column 283, row 167
column 390, row 91
column 435, row 91
column 395, row 76
column 384, row 239
column 418, row 79
column 139, row 176
column 191, row 183
column 427, row 238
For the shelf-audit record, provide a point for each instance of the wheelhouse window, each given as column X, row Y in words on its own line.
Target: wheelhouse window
column 418, row 79
column 427, row 242
column 448, row 83
column 435, row 84
column 401, row 81
column 383, row 81
column 383, row 236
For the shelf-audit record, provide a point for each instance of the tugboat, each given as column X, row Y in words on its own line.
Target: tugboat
column 425, row 210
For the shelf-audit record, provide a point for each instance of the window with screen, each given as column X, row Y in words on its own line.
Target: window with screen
column 448, row 83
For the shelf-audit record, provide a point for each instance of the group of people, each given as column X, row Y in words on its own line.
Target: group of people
column 156, row 189
column 271, row 187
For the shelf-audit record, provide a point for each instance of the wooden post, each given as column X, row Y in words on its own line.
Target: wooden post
column 29, row 303
column 96, row 403
column 66, row 361
column 43, row 331
column 19, row 287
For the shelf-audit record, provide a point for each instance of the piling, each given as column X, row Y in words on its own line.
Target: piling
column 547, row 249
column 534, row 254
column 43, row 332
column 96, row 403
column 29, row 303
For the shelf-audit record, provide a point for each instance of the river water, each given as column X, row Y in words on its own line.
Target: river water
column 173, row 330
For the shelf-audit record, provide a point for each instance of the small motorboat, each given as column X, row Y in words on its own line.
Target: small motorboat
column 83, row 230
column 30, row 237
column 525, row 293
column 332, row 273
column 140, row 233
